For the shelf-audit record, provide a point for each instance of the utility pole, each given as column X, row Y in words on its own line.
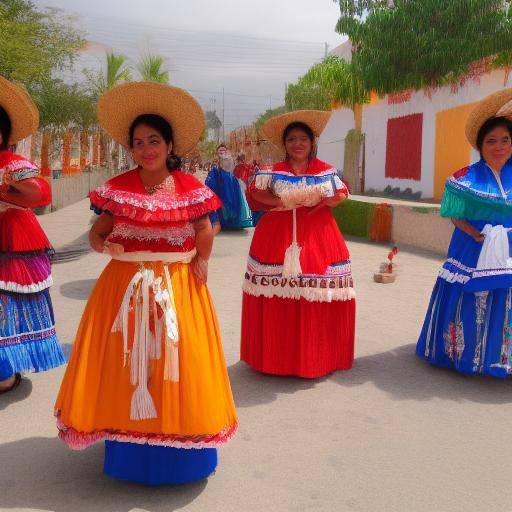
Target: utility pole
column 223, row 130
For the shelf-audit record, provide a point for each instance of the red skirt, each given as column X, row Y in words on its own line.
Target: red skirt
column 301, row 326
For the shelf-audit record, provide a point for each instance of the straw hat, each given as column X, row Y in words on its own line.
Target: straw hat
column 20, row 108
column 498, row 104
column 120, row 106
column 274, row 128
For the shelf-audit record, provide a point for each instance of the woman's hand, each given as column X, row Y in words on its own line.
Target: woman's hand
column 200, row 268
column 112, row 249
column 469, row 229
column 329, row 202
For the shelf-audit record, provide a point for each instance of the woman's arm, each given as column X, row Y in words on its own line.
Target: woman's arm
column 27, row 192
column 100, row 231
column 204, row 244
column 470, row 230
column 267, row 198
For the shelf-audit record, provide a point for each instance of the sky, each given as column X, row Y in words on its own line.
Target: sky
column 250, row 49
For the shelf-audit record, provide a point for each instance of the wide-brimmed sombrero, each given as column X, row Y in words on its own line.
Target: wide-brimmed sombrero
column 498, row 104
column 20, row 108
column 120, row 106
column 273, row 129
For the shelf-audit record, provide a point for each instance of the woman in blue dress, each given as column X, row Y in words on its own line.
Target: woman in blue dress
column 235, row 212
column 468, row 326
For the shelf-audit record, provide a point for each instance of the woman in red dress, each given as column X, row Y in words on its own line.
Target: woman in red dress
column 298, row 314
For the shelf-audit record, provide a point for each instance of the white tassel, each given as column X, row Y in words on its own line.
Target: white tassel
column 291, row 264
column 142, row 405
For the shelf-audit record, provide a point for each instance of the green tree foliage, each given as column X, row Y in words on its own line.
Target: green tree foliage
column 34, row 43
column 63, row 106
column 405, row 44
column 151, row 67
column 334, row 80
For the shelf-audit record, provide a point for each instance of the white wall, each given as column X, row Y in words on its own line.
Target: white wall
column 331, row 145
column 375, row 119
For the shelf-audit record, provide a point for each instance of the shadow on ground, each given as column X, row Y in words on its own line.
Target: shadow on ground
column 404, row 376
column 79, row 290
column 72, row 251
column 23, row 391
column 45, row 474
column 251, row 388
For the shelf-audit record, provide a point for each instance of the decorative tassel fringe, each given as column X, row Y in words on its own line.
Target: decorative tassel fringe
column 310, row 294
column 461, row 204
column 33, row 356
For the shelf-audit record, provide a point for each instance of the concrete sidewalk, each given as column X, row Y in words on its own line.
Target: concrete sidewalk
column 392, row 434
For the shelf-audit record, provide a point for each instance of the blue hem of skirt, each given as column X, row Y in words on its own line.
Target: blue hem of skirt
column 31, row 357
column 158, row 465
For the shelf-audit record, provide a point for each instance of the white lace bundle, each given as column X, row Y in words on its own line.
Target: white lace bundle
column 146, row 344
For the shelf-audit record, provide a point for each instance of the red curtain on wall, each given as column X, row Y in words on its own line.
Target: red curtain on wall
column 403, row 147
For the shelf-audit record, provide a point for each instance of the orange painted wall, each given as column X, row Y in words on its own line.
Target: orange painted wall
column 452, row 149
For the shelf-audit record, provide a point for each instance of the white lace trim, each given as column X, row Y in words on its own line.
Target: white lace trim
column 452, row 277
column 11, row 286
column 458, row 264
column 289, row 292
column 173, row 235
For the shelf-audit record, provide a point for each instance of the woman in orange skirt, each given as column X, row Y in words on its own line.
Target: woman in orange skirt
column 147, row 372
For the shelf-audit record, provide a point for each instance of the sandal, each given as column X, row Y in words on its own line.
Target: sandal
column 15, row 384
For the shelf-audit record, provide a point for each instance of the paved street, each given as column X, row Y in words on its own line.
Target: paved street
column 392, row 434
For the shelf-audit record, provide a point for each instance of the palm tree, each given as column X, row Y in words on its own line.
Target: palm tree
column 115, row 73
column 150, row 67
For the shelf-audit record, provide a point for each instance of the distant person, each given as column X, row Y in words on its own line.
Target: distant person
column 298, row 310
column 28, row 342
column 468, row 326
column 235, row 213
column 243, row 171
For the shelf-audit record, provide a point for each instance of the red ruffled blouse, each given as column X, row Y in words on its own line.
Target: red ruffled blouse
column 157, row 222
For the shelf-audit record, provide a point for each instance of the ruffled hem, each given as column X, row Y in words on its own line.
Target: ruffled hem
column 461, row 203
column 80, row 440
column 295, row 292
column 43, row 352
column 25, row 272
column 11, row 286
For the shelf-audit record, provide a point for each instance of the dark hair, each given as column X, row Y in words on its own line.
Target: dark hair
column 5, row 129
column 159, row 124
column 221, row 146
column 303, row 127
column 488, row 126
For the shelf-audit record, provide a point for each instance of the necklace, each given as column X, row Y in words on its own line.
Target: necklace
column 167, row 184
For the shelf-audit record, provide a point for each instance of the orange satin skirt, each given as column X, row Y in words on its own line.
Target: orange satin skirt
column 94, row 400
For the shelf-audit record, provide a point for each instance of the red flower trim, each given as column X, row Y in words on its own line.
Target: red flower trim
column 80, row 440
